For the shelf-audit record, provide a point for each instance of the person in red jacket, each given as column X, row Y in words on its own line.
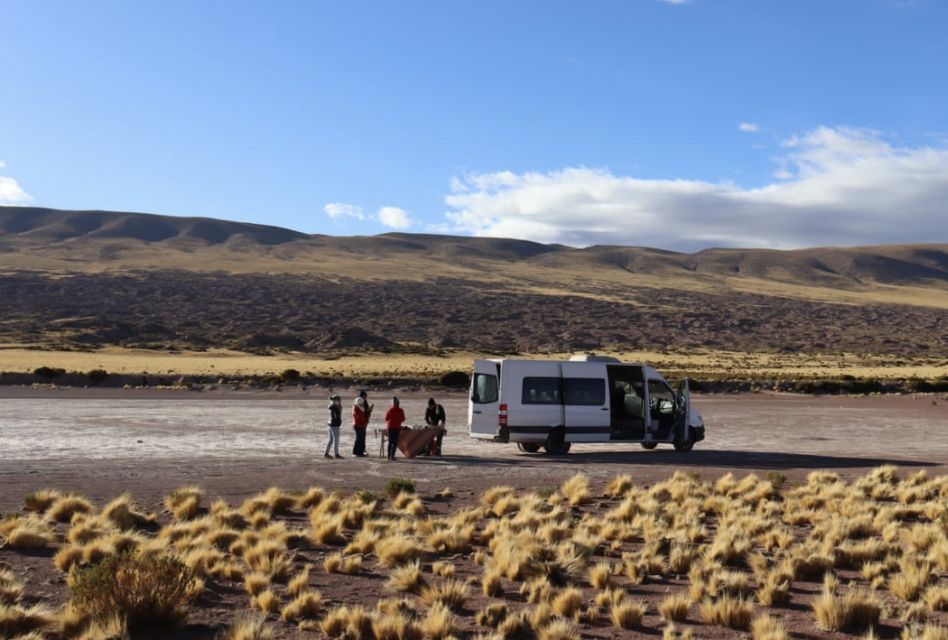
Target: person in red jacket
column 361, row 412
column 394, row 419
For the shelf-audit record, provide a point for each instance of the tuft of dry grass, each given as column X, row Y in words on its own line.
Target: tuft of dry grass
column 856, row 610
column 767, row 628
column 113, row 627
column 618, row 486
column 347, row 622
column 11, row 589
column 492, row 583
column 558, row 630
column 67, row 557
column 492, row 615
column 184, row 503
column 39, row 501
column 266, row 601
column 443, row 569
column 928, row 631
column 911, row 581
column 299, row 583
column 670, row 632
column 17, row 621
column 398, row 549
column 600, row 575
column 775, row 588
column 674, row 607
column 576, row 489
column 567, row 602
column 451, row 593
column 332, row 563
column 626, row 614
column 395, row 626
column 936, row 597
column 247, row 628
column 305, row 606
column 27, row 534
column 439, row 622
column 65, row 507
column 123, row 514
column 71, row 621
column 256, row 583
column 727, row 611
column 407, row 578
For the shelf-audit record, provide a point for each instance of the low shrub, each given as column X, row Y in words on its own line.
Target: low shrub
column 396, row 486
column 147, row 590
column 97, row 376
column 458, row 379
column 50, row 373
column 290, row 375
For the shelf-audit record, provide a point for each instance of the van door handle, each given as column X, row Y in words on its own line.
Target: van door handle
column 477, row 411
column 604, row 409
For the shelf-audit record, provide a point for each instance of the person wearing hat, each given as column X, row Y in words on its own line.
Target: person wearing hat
column 361, row 412
column 335, row 422
column 394, row 419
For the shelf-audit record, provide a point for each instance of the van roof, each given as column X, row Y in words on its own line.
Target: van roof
column 591, row 357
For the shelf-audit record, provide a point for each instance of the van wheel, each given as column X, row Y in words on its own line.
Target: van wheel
column 684, row 445
column 648, row 445
column 556, row 444
column 528, row 447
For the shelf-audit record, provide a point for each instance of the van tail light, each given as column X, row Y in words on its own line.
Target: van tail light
column 502, row 415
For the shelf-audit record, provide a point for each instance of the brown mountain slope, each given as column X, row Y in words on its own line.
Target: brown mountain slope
column 91, row 278
column 111, row 240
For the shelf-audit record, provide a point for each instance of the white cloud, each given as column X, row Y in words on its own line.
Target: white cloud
column 749, row 127
column 836, row 186
column 10, row 190
column 675, row 1
column 394, row 218
column 340, row 210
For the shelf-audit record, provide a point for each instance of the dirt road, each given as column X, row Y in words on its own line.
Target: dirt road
column 102, row 443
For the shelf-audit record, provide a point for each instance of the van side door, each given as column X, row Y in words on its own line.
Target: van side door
column 484, row 400
column 586, row 402
column 533, row 393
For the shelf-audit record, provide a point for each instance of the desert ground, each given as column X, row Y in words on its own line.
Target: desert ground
column 733, row 537
column 232, row 443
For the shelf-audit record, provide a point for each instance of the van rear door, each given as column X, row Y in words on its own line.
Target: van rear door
column 484, row 400
column 586, row 402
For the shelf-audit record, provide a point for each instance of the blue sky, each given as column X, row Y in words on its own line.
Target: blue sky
column 556, row 121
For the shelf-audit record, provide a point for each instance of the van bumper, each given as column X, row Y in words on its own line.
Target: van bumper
column 698, row 433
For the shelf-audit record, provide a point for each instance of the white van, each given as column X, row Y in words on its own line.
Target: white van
column 552, row 404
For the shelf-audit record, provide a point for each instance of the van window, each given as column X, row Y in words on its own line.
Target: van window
column 484, row 388
column 584, row 391
column 541, row 391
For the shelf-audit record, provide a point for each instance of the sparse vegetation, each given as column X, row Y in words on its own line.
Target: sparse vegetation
column 396, row 486
column 723, row 553
column 146, row 590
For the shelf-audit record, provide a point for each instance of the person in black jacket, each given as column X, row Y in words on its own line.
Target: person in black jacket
column 434, row 417
column 335, row 421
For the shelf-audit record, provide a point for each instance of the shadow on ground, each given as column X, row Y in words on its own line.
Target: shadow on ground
column 734, row 459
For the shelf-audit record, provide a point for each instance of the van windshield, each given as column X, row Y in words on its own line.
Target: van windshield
column 484, row 389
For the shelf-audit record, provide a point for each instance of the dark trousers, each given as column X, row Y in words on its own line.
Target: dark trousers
column 392, row 442
column 358, row 449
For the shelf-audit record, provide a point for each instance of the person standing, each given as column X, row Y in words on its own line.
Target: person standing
column 394, row 419
column 434, row 417
column 335, row 422
column 361, row 413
